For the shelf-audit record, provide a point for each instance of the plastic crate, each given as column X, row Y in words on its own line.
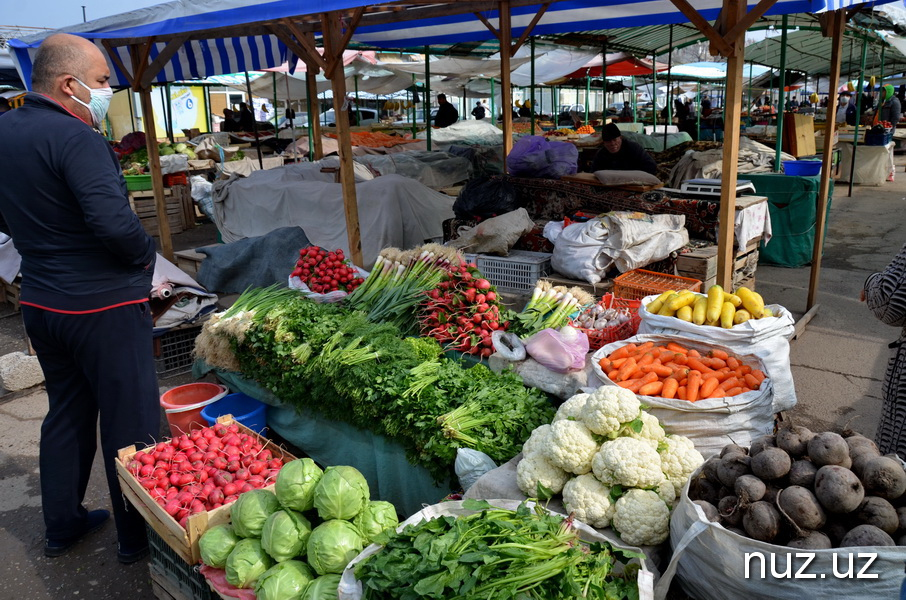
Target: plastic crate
column 601, row 337
column 138, row 183
column 178, row 573
column 173, row 351
column 517, row 272
column 640, row 283
column 878, row 139
column 172, row 179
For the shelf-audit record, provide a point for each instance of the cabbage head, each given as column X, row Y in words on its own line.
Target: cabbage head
column 216, row 544
column 296, row 483
column 341, row 493
column 285, row 534
column 284, row 581
column 322, row 588
column 376, row 517
column 331, row 546
column 247, row 562
column 251, row 510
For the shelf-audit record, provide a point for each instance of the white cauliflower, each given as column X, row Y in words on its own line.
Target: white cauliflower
column 588, row 500
column 666, row 491
column 537, row 440
column 608, row 408
column 534, row 469
column 652, row 433
column 572, row 408
column 571, row 446
column 627, row 462
column 679, row 459
column 641, row 518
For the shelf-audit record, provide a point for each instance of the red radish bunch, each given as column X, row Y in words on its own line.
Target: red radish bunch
column 204, row 469
column 324, row 271
column 462, row 312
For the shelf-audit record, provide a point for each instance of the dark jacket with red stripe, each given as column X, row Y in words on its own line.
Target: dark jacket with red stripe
column 64, row 202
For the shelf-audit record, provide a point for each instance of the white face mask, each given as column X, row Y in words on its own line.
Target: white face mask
column 99, row 103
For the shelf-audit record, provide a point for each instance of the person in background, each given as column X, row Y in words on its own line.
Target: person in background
column 87, row 266
column 885, row 295
column 525, row 111
column 890, row 108
column 446, row 112
column 246, row 118
column 4, row 106
column 620, row 154
column 229, row 121
column 478, row 112
column 706, row 106
column 626, row 112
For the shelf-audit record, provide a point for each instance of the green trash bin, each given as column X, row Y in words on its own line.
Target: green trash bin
column 793, row 206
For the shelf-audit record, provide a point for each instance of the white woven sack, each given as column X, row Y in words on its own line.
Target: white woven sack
column 351, row 589
column 712, row 423
column 768, row 339
column 711, row 564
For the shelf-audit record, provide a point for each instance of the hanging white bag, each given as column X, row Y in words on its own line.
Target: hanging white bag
column 768, row 339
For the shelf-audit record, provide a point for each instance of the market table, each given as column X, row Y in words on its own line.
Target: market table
column 390, row 475
column 792, row 203
column 873, row 163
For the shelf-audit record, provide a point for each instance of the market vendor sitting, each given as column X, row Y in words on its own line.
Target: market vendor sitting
column 620, row 154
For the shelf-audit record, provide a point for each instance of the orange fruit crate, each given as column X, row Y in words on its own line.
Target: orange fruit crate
column 640, row 283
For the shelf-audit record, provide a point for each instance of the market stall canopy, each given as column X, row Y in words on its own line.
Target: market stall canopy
column 213, row 37
column 710, row 71
column 620, row 64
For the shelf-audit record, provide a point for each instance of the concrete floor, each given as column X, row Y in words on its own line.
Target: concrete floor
column 838, row 364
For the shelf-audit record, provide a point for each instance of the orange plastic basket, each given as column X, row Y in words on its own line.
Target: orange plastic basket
column 640, row 283
column 598, row 338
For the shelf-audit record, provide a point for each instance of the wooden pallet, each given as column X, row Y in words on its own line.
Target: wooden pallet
column 701, row 264
column 10, row 292
column 180, row 209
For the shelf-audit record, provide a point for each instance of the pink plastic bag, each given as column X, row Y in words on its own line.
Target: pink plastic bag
column 560, row 351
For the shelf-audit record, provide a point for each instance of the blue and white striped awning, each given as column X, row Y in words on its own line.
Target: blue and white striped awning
column 206, row 54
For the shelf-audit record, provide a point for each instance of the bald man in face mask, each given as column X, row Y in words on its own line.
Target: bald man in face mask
column 86, row 270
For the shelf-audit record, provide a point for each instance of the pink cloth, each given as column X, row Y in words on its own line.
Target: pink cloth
column 217, row 579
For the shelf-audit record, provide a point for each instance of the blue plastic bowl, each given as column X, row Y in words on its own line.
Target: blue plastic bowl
column 806, row 168
column 245, row 409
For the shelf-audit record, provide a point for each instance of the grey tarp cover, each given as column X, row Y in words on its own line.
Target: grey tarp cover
column 256, row 262
column 433, row 169
column 393, row 210
column 391, row 477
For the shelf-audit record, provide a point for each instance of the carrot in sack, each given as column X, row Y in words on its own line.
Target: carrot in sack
column 752, row 381
column 692, row 388
column 651, row 389
column 681, row 392
column 670, row 387
column 708, row 386
column 622, row 352
column 677, row 348
column 659, row 369
column 626, row 369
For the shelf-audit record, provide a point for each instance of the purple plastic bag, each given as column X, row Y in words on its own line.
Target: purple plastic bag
column 534, row 156
column 556, row 351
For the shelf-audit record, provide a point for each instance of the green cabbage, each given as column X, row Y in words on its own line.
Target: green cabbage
column 284, row 581
column 375, row 518
column 285, row 534
column 341, row 493
column 246, row 563
column 332, row 545
column 216, row 544
column 251, row 510
column 296, row 483
column 322, row 588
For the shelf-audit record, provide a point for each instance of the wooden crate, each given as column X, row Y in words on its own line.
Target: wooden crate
column 189, row 261
column 183, row 541
column 701, row 264
column 9, row 292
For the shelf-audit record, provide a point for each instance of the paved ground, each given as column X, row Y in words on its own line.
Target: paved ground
column 838, row 364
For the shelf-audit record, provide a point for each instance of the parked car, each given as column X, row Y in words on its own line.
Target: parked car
column 367, row 116
column 419, row 117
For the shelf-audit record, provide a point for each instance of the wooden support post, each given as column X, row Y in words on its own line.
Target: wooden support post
column 838, row 23
column 734, row 10
column 157, row 179
column 333, row 51
column 314, row 118
column 506, row 93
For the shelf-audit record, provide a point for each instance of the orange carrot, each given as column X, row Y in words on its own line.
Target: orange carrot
column 651, row 389
column 697, row 365
column 677, row 348
column 693, row 353
column 718, row 354
column 647, row 358
column 708, row 386
column 658, row 369
column 695, row 380
column 632, row 385
column 666, row 356
column 752, row 381
column 680, row 359
column 670, row 387
column 648, row 378
column 681, row 392
column 758, row 374
column 733, row 362
column 730, row 382
column 612, row 375
column 605, row 364
column 626, row 368
column 645, row 347
column 618, row 362
column 622, row 351
column 715, row 363
column 734, row 391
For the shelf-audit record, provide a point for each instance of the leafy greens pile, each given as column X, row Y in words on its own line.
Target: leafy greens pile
column 495, row 553
column 334, row 360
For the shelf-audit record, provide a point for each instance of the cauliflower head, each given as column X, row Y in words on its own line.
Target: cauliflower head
column 679, row 459
column 589, row 500
column 571, row 446
column 572, row 408
column 608, row 408
column 627, row 462
column 534, row 469
column 666, row 491
column 652, row 433
column 641, row 518
column 537, row 440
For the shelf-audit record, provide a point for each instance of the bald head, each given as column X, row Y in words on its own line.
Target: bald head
column 62, row 54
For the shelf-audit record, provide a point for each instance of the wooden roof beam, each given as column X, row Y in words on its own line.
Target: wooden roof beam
column 161, row 59
column 699, row 21
column 307, row 41
column 528, row 30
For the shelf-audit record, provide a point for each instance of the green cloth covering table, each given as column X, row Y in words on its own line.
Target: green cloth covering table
column 383, row 462
column 793, row 205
